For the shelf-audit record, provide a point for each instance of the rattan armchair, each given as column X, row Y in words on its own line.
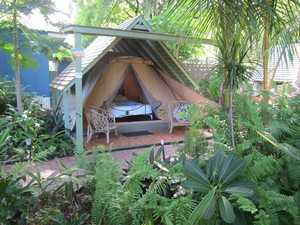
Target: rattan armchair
column 99, row 121
column 174, row 108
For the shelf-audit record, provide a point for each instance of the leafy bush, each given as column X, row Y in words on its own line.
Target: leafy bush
column 215, row 187
column 8, row 96
column 15, row 199
column 30, row 134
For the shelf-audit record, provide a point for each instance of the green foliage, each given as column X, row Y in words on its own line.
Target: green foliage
column 148, row 193
column 207, row 117
column 107, row 176
column 49, row 216
column 194, row 145
column 285, row 126
column 32, row 133
column 7, row 87
column 278, row 180
column 211, row 88
column 180, row 50
column 15, row 199
column 3, row 102
column 216, row 184
column 243, row 203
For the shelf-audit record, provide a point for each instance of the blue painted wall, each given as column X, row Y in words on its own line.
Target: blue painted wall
column 35, row 81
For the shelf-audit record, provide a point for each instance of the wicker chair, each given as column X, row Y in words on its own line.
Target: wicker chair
column 174, row 108
column 99, row 121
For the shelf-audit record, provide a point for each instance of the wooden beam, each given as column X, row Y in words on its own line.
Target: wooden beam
column 179, row 65
column 166, row 63
column 66, row 110
column 133, row 34
column 78, row 96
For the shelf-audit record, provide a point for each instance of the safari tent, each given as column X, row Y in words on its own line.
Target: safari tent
column 139, row 66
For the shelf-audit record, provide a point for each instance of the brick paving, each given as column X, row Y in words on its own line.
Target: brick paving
column 53, row 168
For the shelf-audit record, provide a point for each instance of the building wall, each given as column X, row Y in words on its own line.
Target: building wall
column 34, row 81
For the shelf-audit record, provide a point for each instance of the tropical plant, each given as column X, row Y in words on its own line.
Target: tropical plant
column 17, row 199
column 30, row 134
column 107, row 177
column 215, row 186
column 210, row 88
column 148, row 193
column 9, row 90
column 21, row 50
column 238, row 29
column 278, row 186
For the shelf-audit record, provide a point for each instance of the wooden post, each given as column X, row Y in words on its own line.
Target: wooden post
column 66, row 110
column 78, row 96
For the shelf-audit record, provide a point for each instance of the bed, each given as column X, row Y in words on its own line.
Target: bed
column 121, row 107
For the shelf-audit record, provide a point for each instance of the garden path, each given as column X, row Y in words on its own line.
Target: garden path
column 53, row 168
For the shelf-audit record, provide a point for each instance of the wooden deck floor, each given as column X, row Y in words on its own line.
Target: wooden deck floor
column 122, row 141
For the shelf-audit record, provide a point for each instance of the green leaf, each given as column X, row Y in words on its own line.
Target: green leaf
column 195, row 186
column 228, row 161
column 210, row 211
column 245, row 192
column 195, row 173
column 202, row 208
column 244, row 188
column 297, row 199
column 167, row 220
column 234, row 170
column 151, row 157
column 226, row 210
column 213, row 164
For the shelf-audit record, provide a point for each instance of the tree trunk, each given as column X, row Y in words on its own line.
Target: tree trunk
column 16, row 59
column 266, row 81
column 231, row 114
column 177, row 50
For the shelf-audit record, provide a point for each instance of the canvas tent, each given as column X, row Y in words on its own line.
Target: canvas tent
column 139, row 79
column 159, row 80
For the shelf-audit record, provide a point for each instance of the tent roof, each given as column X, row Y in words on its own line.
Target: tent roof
column 155, row 50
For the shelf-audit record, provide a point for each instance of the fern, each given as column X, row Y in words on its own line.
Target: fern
column 107, row 177
column 19, row 167
column 43, row 155
column 261, row 167
column 243, row 203
column 293, row 174
column 140, row 170
column 262, row 218
column 279, row 207
column 177, row 211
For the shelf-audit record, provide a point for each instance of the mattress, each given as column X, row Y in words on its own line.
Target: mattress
column 130, row 109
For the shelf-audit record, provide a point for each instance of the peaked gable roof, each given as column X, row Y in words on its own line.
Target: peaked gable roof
column 155, row 50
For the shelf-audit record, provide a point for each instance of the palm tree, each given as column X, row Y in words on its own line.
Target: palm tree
column 237, row 26
column 280, row 20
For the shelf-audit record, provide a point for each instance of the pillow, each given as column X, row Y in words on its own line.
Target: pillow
column 179, row 110
column 120, row 99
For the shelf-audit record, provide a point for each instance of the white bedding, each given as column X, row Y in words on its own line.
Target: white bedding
column 130, row 109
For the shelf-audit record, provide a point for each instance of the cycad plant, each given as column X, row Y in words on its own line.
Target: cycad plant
column 215, row 185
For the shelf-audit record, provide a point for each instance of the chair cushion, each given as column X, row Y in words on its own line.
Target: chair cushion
column 178, row 110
